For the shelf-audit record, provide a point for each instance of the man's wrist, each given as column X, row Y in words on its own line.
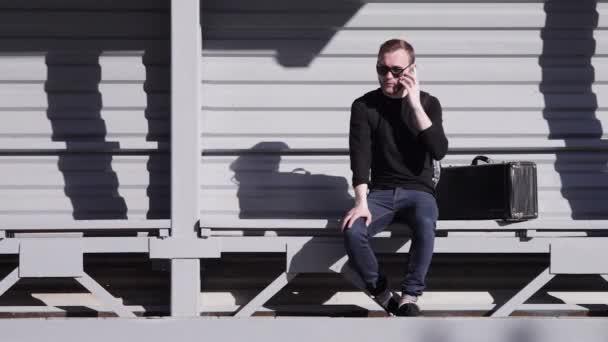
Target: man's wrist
column 361, row 203
column 422, row 120
column 419, row 110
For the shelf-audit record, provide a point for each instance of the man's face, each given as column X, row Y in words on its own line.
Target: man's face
column 397, row 62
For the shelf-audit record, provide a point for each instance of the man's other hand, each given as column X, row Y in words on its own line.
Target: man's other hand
column 354, row 214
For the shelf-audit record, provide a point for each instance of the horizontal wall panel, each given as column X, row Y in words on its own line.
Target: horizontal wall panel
column 30, row 45
column 340, row 142
column 60, row 24
column 108, row 96
column 455, row 122
column 431, row 70
column 130, row 128
column 245, row 128
column 24, row 68
column 84, row 187
column 89, row 5
column 350, row 6
column 413, row 15
column 451, row 96
column 95, row 200
column 366, row 43
column 53, row 171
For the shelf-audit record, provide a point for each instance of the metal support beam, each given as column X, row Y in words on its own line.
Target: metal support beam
column 579, row 256
column 185, row 287
column 106, row 298
column 48, row 258
column 271, row 290
column 351, row 276
column 9, row 281
column 186, row 50
column 523, row 295
column 185, row 112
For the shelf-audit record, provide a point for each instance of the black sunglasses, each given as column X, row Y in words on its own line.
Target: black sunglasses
column 382, row 69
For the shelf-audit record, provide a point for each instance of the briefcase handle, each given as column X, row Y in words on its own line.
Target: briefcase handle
column 485, row 159
column 300, row 170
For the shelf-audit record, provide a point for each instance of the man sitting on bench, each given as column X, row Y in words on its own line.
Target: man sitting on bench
column 396, row 131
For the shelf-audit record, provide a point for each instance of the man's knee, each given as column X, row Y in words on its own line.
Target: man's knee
column 357, row 233
column 425, row 226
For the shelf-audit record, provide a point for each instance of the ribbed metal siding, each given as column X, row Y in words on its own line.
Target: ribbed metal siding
column 313, row 58
column 521, row 77
column 84, row 111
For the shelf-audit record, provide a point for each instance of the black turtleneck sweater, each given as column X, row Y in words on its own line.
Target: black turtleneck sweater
column 380, row 139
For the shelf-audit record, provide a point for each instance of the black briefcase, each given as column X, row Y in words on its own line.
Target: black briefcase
column 491, row 191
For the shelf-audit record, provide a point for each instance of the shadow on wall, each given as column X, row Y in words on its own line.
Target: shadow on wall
column 74, row 110
column 279, row 26
column 73, row 36
column 264, row 192
column 158, row 108
column 570, row 104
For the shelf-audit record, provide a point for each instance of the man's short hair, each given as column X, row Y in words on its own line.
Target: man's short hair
column 396, row 44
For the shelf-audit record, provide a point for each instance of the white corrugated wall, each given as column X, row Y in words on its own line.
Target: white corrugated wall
column 84, row 112
column 518, row 80
column 84, row 133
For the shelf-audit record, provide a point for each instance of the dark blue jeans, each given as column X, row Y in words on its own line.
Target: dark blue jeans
column 420, row 211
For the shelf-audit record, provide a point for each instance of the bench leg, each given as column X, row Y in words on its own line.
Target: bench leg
column 350, row 275
column 86, row 281
column 541, row 280
column 9, row 281
column 103, row 295
column 353, row 277
column 270, row 290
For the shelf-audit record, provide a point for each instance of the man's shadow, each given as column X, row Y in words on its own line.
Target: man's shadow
column 266, row 192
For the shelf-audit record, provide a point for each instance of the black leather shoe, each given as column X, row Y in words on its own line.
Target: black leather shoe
column 392, row 305
column 408, row 310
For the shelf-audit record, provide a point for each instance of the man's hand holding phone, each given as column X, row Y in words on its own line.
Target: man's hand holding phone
column 412, row 88
column 409, row 81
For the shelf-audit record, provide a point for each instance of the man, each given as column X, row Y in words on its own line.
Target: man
column 396, row 131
